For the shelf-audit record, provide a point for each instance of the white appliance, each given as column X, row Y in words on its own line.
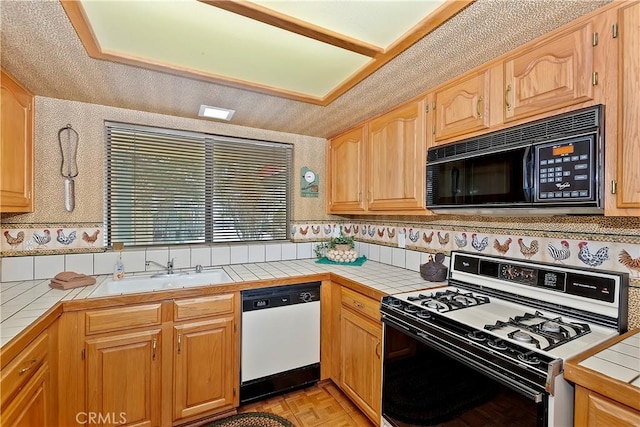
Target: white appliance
column 280, row 340
column 511, row 323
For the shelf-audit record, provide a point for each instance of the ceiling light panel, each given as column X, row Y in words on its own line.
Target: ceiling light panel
column 378, row 22
column 215, row 112
column 191, row 35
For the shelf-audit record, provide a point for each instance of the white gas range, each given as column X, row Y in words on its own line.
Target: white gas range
column 515, row 322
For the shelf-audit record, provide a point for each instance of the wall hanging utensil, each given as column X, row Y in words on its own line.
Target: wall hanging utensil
column 68, row 139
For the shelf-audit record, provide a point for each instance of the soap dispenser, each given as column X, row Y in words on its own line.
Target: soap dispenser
column 118, row 268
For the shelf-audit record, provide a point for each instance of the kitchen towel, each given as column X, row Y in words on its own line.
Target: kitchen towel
column 71, row 279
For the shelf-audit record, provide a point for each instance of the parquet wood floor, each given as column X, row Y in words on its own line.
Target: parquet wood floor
column 322, row 405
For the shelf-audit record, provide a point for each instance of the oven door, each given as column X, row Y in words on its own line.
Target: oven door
column 489, row 180
column 424, row 386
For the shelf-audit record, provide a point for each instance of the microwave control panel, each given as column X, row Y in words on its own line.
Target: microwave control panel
column 564, row 171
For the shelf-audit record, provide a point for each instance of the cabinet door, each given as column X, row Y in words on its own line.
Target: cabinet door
column 628, row 171
column 396, row 159
column 360, row 362
column 16, row 146
column 30, row 407
column 594, row 410
column 123, row 378
column 554, row 74
column 345, row 172
column 463, row 107
column 205, row 367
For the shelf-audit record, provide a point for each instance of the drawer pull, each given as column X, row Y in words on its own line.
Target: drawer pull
column 506, row 97
column 179, row 342
column 32, row 362
column 480, row 99
column 377, row 352
column 358, row 304
column 154, row 344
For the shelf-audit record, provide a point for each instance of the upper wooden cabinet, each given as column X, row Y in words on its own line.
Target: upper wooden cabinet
column 628, row 141
column 346, row 172
column 379, row 167
column 396, row 159
column 16, row 146
column 549, row 75
column 462, row 106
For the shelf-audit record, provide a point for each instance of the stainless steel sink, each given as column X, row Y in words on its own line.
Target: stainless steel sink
column 161, row 282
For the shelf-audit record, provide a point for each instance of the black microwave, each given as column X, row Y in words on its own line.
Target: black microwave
column 551, row 166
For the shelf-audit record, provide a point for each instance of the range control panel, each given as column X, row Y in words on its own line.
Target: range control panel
column 565, row 171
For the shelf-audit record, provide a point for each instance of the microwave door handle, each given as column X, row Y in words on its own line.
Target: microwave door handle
column 527, row 171
column 455, row 182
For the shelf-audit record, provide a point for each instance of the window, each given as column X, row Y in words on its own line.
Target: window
column 170, row 187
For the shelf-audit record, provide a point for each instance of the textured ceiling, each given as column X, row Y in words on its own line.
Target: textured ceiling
column 41, row 49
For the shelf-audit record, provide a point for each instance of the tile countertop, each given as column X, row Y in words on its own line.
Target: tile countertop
column 21, row 303
column 611, row 369
column 621, row 361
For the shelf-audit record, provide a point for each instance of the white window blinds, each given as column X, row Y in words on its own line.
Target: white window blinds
column 171, row 187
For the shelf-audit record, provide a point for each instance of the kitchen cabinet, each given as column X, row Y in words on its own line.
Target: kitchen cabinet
column 603, row 376
column 124, row 377
column 361, row 352
column 549, row 75
column 627, row 185
column 463, row 106
column 593, row 409
column 162, row 363
column 379, row 167
column 346, row 177
column 26, row 387
column 396, row 159
column 16, row 146
column 205, row 356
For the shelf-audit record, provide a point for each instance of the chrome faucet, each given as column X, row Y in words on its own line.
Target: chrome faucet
column 169, row 265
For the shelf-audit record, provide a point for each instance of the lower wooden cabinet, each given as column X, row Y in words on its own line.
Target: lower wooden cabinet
column 32, row 405
column 123, row 378
column 176, row 363
column 361, row 361
column 593, row 409
column 26, row 388
column 204, row 367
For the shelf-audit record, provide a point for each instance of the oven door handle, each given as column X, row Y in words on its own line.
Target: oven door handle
column 534, row 395
column 527, row 174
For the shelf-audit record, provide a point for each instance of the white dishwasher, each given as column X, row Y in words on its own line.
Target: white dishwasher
column 280, row 340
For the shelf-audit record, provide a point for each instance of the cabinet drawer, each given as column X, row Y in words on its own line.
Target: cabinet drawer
column 202, row 307
column 360, row 303
column 115, row 319
column 18, row 372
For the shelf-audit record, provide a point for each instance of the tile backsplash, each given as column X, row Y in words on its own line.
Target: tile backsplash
column 33, row 251
column 30, row 267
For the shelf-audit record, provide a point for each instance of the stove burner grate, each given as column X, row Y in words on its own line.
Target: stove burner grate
column 524, row 338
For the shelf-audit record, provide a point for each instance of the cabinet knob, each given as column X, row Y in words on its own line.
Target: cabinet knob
column 32, row 363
